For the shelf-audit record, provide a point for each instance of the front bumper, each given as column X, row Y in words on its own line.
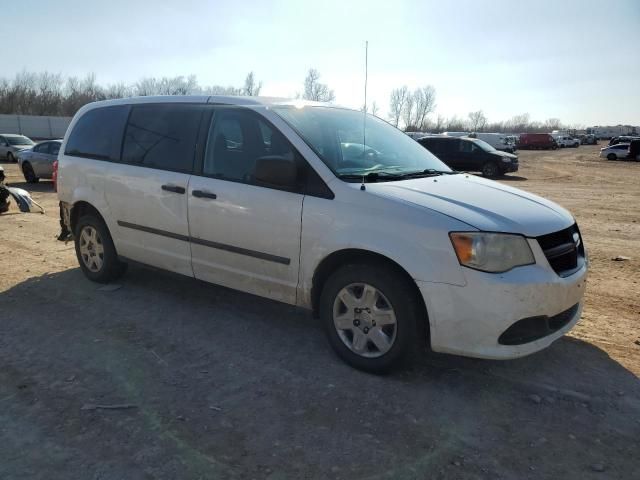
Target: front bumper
column 468, row 320
column 510, row 167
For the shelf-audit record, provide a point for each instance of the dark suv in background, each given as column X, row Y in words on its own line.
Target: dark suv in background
column 470, row 154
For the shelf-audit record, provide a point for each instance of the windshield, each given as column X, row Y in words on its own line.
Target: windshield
column 337, row 137
column 19, row 141
column 484, row 145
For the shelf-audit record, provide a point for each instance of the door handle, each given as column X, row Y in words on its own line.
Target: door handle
column 204, row 194
column 173, row 188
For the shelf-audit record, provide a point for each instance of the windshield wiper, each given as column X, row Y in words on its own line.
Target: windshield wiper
column 371, row 176
column 428, row 172
column 389, row 176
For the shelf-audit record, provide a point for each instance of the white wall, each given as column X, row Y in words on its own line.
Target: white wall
column 34, row 126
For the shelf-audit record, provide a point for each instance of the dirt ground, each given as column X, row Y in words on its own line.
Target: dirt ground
column 227, row 385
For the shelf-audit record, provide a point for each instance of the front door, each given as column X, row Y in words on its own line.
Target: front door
column 146, row 190
column 243, row 235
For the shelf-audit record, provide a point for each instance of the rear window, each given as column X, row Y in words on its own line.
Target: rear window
column 162, row 136
column 98, row 134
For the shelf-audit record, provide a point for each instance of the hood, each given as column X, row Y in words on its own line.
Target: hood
column 504, row 154
column 480, row 203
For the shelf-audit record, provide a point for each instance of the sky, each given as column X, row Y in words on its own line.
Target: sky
column 576, row 60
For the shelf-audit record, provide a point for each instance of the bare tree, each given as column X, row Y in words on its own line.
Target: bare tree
column 477, row 121
column 519, row 123
column 439, row 125
column 316, row 91
column 118, row 90
column 407, row 112
column 425, row 100
column 454, row 124
column 552, row 123
column 251, row 87
column 374, row 109
column 396, row 104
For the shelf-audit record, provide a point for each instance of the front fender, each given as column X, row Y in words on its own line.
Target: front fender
column 416, row 240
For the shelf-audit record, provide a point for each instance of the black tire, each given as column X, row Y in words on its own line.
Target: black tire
column 408, row 336
column 612, row 156
column 111, row 268
column 11, row 157
column 490, row 170
column 29, row 174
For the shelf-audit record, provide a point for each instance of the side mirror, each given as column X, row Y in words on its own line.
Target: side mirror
column 276, row 171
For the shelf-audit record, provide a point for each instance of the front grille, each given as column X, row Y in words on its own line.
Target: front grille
column 532, row 328
column 564, row 250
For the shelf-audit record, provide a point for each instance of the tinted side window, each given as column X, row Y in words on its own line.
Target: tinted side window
column 54, row 148
column 237, row 138
column 42, row 148
column 429, row 144
column 162, row 136
column 98, row 133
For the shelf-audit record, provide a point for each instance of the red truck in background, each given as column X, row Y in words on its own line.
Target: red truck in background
column 537, row 141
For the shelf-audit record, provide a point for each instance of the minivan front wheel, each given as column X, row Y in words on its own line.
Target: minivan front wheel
column 489, row 170
column 370, row 316
column 95, row 250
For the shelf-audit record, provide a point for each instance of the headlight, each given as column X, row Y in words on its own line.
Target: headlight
column 506, row 159
column 491, row 252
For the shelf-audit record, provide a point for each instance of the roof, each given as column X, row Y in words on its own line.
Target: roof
column 215, row 99
column 11, row 135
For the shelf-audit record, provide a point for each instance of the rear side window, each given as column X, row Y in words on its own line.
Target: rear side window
column 54, row 148
column 162, row 136
column 98, row 134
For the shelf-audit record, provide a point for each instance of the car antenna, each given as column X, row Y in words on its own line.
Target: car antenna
column 364, row 112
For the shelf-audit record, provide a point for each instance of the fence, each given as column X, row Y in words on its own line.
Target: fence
column 35, row 127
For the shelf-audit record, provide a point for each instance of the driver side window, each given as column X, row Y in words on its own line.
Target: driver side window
column 237, row 139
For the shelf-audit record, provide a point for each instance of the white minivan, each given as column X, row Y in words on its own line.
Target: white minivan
column 321, row 207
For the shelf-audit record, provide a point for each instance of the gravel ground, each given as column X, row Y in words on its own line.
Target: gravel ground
column 222, row 384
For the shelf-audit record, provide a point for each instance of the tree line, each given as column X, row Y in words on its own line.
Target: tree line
column 52, row 94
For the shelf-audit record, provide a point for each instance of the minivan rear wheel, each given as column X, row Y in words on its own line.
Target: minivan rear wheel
column 490, row 169
column 370, row 316
column 95, row 250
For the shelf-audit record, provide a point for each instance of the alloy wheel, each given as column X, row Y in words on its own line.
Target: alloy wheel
column 365, row 320
column 91, row 249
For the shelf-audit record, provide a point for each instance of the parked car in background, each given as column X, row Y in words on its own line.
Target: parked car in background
column 567, row 141
column 623, row 139
column 470, row 154
column 11, row 144
column 588, row 139
column 416, row 135
column 390, row 249
column 537, row 141
column 499, row 141
column 456, row 134
column 614, row 152
column 634, row 150
column 37, row 162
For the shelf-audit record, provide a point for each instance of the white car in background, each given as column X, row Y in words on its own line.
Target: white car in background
column 11, row 145
column 567, row 141
column 291, row 200
column 615, row 152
